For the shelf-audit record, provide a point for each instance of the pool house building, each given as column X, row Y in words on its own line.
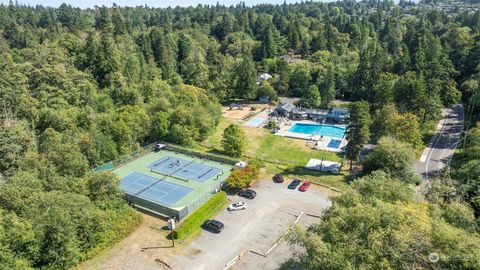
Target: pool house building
column 335, row 115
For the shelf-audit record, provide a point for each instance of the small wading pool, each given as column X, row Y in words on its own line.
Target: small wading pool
column 334, row 143
column 320, row 130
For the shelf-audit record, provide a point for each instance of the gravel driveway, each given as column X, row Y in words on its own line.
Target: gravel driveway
column 257, row 228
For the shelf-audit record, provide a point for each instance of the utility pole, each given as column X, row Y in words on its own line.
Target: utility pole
column 171, row 226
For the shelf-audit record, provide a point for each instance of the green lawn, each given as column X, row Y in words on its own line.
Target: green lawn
column 280, row 155
column 289, row 151
column 214, row 141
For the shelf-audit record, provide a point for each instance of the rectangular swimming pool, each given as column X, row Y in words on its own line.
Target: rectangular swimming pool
column 320, row 130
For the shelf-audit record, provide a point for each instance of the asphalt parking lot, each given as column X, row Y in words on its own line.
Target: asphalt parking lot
column 257, row 228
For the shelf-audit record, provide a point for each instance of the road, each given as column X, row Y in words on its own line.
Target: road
column 442, row 145
column 257, row 228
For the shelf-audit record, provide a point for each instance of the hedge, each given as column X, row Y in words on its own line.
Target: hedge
column 193, row 223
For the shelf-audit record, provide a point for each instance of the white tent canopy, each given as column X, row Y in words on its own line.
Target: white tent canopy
column 323, row 165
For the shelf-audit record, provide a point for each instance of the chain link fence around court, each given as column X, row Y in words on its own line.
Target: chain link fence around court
column 197, row 202
column 169, row 146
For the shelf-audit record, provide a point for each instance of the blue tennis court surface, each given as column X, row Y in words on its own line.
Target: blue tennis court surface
column 153, row 189
column 183, row 169
column 334, row 143
column 255, row 122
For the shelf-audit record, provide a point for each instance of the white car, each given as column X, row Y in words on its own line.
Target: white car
column 237, row 206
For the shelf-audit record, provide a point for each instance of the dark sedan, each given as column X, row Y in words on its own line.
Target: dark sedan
column 247, row 193
column 294, row 184
column 278, row 178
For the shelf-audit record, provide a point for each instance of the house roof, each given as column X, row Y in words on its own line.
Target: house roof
column 309, row 111
column 286, row 107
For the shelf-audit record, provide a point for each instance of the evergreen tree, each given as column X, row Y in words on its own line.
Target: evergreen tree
column 245, row 79
column 234, row 141
column 358, row 130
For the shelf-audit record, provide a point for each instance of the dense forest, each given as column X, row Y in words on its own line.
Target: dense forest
column 82, row 87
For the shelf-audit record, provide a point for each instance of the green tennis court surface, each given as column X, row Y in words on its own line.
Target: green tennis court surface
column 171, row 179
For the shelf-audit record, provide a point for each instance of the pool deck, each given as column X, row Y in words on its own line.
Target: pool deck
column 321, row 143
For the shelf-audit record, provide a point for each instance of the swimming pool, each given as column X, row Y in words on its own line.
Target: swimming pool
column 334, row 143
column 320, row 130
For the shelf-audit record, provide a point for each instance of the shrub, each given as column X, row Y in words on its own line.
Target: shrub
column 271, row 124
column 193, row 223
column 241, row 178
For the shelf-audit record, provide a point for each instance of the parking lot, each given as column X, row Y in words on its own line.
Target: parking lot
column 257, row 228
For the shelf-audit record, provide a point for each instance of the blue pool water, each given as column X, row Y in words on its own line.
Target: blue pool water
column 317, row 129
column 334, row 143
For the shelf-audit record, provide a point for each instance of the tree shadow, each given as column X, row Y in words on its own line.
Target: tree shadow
column 290, row 264
column 299, row 170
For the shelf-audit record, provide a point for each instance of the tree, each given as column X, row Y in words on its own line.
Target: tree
column 164, row 52
column 382, row 91
column 406, row 127
column 393, row 157
column 245, row 79
column 379, row 185
column 266, row 90
column 15, row 140
column 389, row 122
column 382, row 124
column 194, row 70
column 234, row 141
column 105, row 60
column 311, row 99
column 161, row 125
column 299, row 80
column 103, row 187
column 379, row 225
column 358, row 130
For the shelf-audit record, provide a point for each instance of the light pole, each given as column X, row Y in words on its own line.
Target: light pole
column 171, row 226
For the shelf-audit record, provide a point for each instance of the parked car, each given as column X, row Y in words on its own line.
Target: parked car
column 304, row 186
column 294, row 184
column 247, row 193
column 213, row 225
column 278, row 178
column 237, row 206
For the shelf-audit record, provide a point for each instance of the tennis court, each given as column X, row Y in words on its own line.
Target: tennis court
column 255, row 122
column 169, row 183
column 153, row 189
column 183, row 169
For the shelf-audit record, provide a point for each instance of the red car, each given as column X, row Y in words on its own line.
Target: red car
column 304, row 186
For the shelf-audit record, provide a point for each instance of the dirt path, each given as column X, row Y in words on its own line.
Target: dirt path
column 128, row 253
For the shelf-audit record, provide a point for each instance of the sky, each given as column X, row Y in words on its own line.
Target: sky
column 150, row 3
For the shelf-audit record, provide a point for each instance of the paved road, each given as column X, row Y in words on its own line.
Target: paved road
column 442, row 146
column 257, row 228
